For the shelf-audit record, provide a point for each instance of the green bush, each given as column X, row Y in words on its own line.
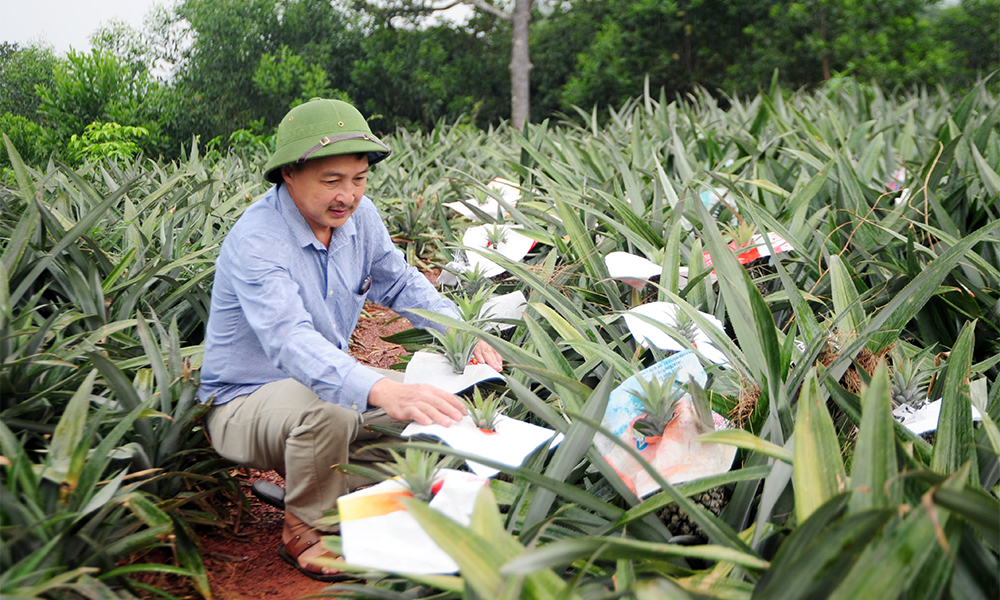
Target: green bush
column 26, row 136
column 109, row 141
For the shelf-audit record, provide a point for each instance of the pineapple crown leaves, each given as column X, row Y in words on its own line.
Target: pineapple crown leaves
column 685, row 326
column 496, row 235
column 470, row 306
column 457, row 346
column 417, row 469
column 485, row 411
column 741, row 233
column 480, row 196
column 660, row 400
column 471, row 279
column 910, row 378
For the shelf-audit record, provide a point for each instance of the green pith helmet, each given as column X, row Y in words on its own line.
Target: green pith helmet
column 322, row 128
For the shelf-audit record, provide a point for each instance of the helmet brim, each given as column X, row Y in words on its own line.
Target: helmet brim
column 293, row 153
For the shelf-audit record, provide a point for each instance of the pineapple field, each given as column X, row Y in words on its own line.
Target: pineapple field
column 827, row 263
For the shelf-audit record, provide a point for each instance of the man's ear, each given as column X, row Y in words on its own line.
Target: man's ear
column 286, row 172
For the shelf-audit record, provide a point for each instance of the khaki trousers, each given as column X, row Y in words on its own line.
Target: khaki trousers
column 285, row 424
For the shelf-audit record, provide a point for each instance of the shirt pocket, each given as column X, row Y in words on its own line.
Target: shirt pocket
column 357, row 302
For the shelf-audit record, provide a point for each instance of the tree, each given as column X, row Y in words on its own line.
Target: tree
column 98, row 87
column 25, row 135
column 21, row 70
column 558, row 37
column 635, row 39
column 810, row 40
column 290, row 79
column 677, row 44
column 126, row 43
column 971, row 28
column 229, row 38
column 519, row 17
column 426, row 74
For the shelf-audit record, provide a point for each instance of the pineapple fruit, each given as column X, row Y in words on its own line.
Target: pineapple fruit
column 677, row 521
column 909, row 380
column 660, row 401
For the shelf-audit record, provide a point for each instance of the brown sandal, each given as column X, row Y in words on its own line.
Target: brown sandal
column 291, row 551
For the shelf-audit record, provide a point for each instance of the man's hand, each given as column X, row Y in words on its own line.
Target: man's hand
column 418, row 402
column 485, row 354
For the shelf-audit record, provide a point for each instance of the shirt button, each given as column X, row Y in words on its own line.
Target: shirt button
column 354, row 406
column 330, row 294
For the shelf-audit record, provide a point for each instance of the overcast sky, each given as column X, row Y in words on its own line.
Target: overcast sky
column 66, row 23
column 70, row 23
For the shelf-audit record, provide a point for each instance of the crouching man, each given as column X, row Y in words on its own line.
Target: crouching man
column 290, row 282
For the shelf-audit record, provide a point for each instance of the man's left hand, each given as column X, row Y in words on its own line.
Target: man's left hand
column 485, row 354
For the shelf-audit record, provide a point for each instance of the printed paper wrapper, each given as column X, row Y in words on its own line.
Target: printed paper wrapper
column 755, row 249
column 511, row 443
column 514, row 247
column 925, row 419
column 677, row 457
column 636, row 270
column 377, row 532
column 713, row 196
column 648, row 334
column 428, row 367
column 895, row 184
column 508, row 306
column 507, row 190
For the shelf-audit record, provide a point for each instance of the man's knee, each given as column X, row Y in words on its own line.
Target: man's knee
column 330, row 421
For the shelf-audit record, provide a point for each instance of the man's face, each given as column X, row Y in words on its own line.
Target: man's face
column 327, row 190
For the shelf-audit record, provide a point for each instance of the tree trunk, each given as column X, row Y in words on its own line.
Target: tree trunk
column 520, row 65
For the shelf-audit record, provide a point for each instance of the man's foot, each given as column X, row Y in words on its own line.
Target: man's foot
column 301, row 545
column 268, row 493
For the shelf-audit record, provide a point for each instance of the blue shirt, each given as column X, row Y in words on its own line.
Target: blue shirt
column 285, row 306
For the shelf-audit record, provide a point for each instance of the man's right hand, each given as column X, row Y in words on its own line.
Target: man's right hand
column 418, row 402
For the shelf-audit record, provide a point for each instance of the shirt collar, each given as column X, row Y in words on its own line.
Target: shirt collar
column 304, row 235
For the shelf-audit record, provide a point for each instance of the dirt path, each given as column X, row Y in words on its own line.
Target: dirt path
column 243, row 562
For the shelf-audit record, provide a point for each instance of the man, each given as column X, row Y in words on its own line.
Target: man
column 290, row 282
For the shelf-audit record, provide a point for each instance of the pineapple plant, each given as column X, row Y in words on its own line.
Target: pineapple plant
column 741, row 233
column 457, row 346
column 470, row 304
column 685, row 326
column 909, row 381
column 485, row 411
column 660, row 401
column 495, row 235
column 480, row 197
column 417, row 469
column 469, row 279
column 911, row 386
